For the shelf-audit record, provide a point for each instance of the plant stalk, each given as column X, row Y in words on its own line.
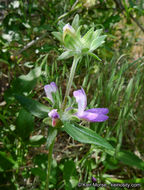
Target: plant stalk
column 72, row 72
column 49, row 164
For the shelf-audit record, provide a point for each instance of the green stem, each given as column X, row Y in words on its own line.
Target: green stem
column 49, row 164
column 72, row 72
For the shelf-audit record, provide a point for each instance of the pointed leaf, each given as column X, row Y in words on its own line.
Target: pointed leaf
column 97, row 42
column 25, row 83
column 129, row 90
column 87, row 38
column 52, row 132
column 86, row 135
column 78, row 32
column 97, row 33
column 93, row 55
column 61, row 24
column 130, row 159
column 58, row 35
column 35, row 108
column 75, row 23
column 66, row 55
column 37, row 140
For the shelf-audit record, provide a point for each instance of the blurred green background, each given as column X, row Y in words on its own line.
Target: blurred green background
column 26, row 42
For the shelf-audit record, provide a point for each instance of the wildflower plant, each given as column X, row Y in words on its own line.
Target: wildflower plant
column 59, row 116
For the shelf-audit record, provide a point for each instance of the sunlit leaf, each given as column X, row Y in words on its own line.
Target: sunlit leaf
column 37, row 140
column 86, row 135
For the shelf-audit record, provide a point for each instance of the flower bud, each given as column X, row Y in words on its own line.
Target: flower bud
column 68, row 29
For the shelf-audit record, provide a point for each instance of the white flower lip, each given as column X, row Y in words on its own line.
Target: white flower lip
column 53, row 114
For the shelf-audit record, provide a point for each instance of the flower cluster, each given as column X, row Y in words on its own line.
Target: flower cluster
column 90, row 115
column 75, row 44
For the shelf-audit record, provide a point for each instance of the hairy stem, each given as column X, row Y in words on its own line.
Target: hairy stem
column 72, row 72
column 49, row 164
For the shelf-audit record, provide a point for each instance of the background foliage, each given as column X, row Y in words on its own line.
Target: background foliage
column 28, row 57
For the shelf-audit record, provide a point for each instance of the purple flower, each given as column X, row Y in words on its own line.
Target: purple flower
column 94, row 179
column 91, row 115
column 54, row 115
column 49, row 88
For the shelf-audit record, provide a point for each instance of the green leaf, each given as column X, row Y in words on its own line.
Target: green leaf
column 66, row 55
column 75, row 23
column 39, row 172
column 35, row 108
column 72, row 42
column 24, row 124
column 37, row 140
column 87, row 38
column 25, row 83
column 129, row 90
column 78, row 34
column 47, row 121
column 52, row 132
column 97, row 42
column 94, row 55
column 130, row 159
column 58, row 35
column 97, row 33
column 86, row 135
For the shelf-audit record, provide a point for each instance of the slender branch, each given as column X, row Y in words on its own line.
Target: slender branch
column 122, row 8
column 138, row 24
column 30, row 44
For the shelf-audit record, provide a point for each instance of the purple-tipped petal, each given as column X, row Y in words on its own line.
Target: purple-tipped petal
column 49, row 88
column 68, row 28
column 54, row 86
column 98, row 110
column 81, row 99
column 92, row 117
column 53, row 114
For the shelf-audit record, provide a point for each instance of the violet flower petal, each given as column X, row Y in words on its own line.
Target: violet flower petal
column 81, row 99
column 98, row 110
column 94, row 179
column 49, row 88
column 92, row 117
column 53, row 114
column 54, row 86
